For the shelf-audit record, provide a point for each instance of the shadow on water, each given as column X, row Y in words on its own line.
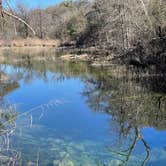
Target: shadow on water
column 133, row 99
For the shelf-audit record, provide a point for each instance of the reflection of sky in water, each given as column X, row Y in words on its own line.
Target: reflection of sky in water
column 71, row 122
column 155, row 138
column 72, row 116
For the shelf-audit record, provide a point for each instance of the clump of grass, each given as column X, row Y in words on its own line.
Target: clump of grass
column 8, row 115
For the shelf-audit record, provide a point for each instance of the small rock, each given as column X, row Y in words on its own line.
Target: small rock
column 31, row 163
column 64, row 162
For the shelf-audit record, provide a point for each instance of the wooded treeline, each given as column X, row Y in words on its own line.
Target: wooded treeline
column 111, row 24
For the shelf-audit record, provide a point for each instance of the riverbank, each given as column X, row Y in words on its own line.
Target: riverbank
column 31, row 56
column 29, row 42
column 38, row 49
column 151, row 54
column 53, row 54
column 145, row 55
column 142, row 54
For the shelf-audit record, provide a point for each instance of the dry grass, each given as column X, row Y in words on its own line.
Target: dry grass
column 29, row 42
column 29, row 50
column 19, row 54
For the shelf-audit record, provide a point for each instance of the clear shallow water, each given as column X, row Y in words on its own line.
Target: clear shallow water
column 73, row 114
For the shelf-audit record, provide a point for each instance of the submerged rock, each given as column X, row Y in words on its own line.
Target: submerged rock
column 7, row 84
column 4, row 78
column 64, row 162
column 31, row 163
column 73, row 57
column 115, row 162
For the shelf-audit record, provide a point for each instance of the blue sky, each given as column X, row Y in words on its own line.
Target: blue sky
column 38, row 3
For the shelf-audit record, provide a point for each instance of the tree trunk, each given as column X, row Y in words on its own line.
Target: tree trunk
column 4, row 12
column 1, row 8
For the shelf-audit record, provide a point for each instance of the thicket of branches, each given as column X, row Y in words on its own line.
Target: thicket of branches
column 106, row 23
column 64, row 21
column 122, row 23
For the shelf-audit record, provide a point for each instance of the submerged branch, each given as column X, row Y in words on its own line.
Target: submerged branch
column 147, row 152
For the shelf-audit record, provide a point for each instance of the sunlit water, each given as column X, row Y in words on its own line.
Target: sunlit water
column 76, row 115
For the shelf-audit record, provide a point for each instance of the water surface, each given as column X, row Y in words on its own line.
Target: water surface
column 73, row 114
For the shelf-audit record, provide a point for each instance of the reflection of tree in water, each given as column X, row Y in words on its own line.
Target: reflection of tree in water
column 32, row 70
column 9, row 154
column 120, row 93
column 130, row 105
column 8, row 115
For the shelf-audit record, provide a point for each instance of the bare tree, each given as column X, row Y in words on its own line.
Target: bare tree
column 5, row 12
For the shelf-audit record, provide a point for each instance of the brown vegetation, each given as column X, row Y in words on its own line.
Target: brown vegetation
column 29, row 42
